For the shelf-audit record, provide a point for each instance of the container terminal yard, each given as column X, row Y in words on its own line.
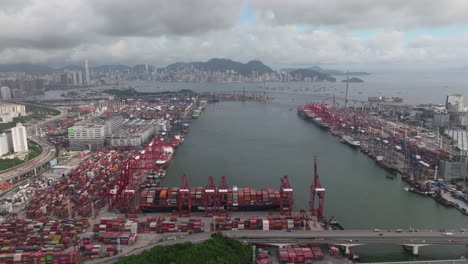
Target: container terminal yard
column 105, row 200
column 414, row 153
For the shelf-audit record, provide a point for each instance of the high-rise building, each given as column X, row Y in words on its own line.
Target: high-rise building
column 454, row 103
column 5, row 92
column 86, row 72
column 76, row 78
column 17, row 138
column 4, row 149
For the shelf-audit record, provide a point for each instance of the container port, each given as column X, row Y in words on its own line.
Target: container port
column 107, row 199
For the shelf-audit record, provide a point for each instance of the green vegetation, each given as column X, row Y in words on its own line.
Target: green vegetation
column 132, row 92
column 40, row 112
column 20, row 119
column 35, row 112
column 34, row 151
column 216, row 250
column 4, row 213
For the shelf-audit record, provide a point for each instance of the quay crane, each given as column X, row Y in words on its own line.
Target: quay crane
column 286, row 197
column 222, row 199
column 184, row 202
column 210, row 198
column 316, row 189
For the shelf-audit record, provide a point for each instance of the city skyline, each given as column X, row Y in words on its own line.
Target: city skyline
column 353, row 34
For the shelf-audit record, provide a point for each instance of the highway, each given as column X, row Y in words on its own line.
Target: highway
column 351, row 237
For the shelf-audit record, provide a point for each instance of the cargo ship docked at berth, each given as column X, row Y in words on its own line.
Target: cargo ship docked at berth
column 309, row 112
column 383, row 99
column 164, row 199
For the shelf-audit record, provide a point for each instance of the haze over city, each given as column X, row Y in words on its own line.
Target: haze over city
column 349, row 34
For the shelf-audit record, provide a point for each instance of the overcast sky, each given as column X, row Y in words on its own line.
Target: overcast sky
column 341, row 33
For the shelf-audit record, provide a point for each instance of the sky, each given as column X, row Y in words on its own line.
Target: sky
column 344, row 34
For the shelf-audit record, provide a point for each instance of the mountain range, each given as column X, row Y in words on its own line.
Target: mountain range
column 222, row 65
column 211, row 65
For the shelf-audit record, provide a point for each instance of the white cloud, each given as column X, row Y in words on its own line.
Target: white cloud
column 424, row 41
column 392, row 14
column 166, row 31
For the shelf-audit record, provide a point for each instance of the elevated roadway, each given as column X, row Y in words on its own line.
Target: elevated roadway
column 351, row 236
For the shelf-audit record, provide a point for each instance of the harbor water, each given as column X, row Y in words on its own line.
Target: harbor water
column 253, row 144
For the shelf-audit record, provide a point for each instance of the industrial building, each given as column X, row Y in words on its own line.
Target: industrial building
column 132, row 136
column 91, row 133
column 136, row 132
column 452, row 170
column 430, row 115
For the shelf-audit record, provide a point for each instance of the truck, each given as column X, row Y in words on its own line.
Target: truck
column 447, row 234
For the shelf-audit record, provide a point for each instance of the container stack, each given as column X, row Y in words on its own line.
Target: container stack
column 317, row 253
column 254, row 223
column 114, row 238
column 194, row 225
column 90, row 252
column 81, row 189
column 295, row 255
column 263, row 258
column 63, row 257
column 110, row 251
column 31, row 235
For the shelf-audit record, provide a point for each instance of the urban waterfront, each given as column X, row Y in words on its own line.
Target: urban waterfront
column 254, row 144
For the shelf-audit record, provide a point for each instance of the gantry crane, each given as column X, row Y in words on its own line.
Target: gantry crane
column 222, row 201
column 184, row 201
column 316, row 189
column 210, row 198
column 286, row 197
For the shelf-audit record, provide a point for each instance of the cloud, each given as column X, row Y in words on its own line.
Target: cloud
column 58, row 24
column 149, row 17
column 60, row 32
column 393, row 14
column 424, row 42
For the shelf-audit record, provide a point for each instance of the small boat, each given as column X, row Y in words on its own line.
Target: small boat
column 390, row 176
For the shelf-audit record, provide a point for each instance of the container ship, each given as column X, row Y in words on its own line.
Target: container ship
column 163, row 199
column 315, row 113
column 383, row 99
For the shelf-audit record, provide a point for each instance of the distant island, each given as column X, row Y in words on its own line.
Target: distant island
column 353, row 80
column 221, row 65
column 326, row 71
column 310, row 76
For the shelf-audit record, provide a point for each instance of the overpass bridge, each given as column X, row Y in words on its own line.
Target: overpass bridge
column 354, row 103
column 349, row 238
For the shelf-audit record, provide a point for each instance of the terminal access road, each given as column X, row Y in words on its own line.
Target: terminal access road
column 350, row 237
